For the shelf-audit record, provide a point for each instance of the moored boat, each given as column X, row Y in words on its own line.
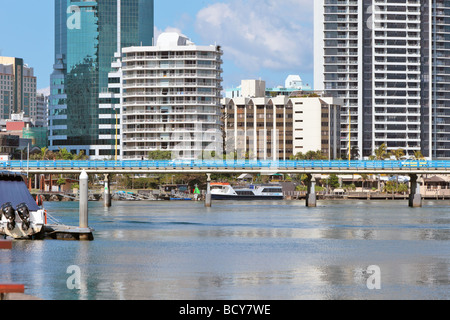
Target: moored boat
column 224, row 191
column 20, row 215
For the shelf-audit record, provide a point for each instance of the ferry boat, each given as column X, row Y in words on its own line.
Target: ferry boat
column 20, row 215
column 224, row 191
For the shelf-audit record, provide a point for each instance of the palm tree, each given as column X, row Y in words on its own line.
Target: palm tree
column 418, row 155
column 354, row 153
column 63, row 154
column 398, row 154
column 80, row 156
column 364, row 178
column 44, row 153
column 381, row 152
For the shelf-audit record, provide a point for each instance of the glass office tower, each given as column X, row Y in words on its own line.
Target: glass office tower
column 87, row 34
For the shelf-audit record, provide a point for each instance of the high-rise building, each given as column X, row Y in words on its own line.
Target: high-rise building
column 163, row 98
column 387, row 60
column 41, row 110
column 17, row 89
column 171, row 98
column 87, row 35
column 261, row 127
column 439, row 51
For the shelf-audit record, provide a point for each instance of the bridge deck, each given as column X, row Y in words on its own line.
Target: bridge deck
column 182, row 166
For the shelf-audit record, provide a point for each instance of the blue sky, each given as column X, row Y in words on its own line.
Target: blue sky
column 261, row 39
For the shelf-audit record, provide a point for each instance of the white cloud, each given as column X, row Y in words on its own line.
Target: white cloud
column 261, row 34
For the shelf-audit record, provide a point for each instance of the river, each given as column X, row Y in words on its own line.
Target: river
column 241, row 251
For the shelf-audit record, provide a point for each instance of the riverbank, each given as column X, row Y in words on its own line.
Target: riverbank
column 152, row 195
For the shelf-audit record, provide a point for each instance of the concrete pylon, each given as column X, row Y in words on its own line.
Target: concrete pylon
column 311, row 199
column 84, row 199
column 208, row 197
column 415, row 198
column 107, row 193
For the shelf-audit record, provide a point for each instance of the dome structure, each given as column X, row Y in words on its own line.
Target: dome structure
column 173, row 39
column 294, row 82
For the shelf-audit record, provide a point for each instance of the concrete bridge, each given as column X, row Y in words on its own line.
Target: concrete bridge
column 310, row 168
column 239, row 166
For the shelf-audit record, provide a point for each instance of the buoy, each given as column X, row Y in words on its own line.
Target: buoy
column 39, row 200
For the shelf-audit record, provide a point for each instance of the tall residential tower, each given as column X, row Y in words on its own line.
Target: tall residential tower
column 87, row 35
column 171, row 99
column 388, row 61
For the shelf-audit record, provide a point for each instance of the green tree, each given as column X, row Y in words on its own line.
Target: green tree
column 63, row 154
column 333, row 181
column 310, row 155
column 43, row 154
column 418, row 155
column 61, row 181
column 381, row 152
column 364, row 178
column 393, row 187
column 398, row 154
column 80, row 156
column 160, row 155
column 354, row 153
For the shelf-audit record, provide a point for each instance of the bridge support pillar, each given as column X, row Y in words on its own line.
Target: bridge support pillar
column 415, row 198
column 311, row 199
column 107, row 193
column 208, row 197
column 84, row 201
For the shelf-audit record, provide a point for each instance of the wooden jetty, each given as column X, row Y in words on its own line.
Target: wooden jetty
column 62, row 232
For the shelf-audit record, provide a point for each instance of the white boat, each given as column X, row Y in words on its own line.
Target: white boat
column 224, row 191
column 20, row 215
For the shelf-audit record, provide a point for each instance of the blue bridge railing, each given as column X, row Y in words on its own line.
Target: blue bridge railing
column 239, row 164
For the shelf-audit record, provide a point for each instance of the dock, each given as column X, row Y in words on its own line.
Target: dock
column 62, row 232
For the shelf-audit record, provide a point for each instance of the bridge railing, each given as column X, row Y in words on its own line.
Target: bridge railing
column 237, row 164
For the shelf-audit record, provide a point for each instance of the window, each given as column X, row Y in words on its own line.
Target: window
column 272, row 190
column 245, row 193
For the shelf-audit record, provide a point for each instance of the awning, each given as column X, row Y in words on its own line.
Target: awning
column 13, row 189
column 245, row 176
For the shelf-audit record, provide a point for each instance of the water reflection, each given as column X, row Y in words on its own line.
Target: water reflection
column 241, row 251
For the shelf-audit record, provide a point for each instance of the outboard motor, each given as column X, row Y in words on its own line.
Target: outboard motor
column 10, row 215
column 24, row 214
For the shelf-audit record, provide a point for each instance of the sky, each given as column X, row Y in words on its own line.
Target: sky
column 261, row 39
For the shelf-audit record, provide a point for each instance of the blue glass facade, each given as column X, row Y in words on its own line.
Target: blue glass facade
column 85, row 42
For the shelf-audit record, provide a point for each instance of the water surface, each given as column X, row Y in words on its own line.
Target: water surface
column 242, row 250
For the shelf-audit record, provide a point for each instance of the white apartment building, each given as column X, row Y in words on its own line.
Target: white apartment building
column 387, row 60
column 164, row 97
column 316, row 125
column 110, row 115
